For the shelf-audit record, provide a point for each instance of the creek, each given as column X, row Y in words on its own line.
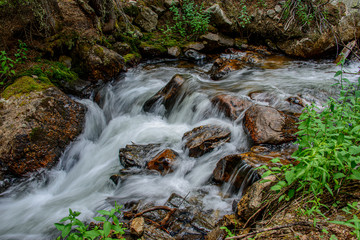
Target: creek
column 81, row 181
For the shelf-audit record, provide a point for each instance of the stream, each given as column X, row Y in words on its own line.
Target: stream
column 81, row 181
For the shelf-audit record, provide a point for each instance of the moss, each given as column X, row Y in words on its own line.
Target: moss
column 99, row 51
column 153, row 45
column 131, row 57
column 25, row 85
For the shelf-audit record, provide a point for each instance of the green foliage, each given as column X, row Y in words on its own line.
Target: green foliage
column 228, row 232
column 75, row 229
column 7, row 69
column 244, row 17
column 190, row 19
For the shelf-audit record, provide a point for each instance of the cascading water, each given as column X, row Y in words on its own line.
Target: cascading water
column 81, row 179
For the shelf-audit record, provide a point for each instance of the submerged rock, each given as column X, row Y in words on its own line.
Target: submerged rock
column 232, row 106
column 194, row 55
column 137, row 155
column 36, row 126
column 223, row 67
column 167, row 96
column 204, row 139
column 268, row 125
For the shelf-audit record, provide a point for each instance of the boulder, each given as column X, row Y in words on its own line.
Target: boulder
column 147, row 19
column 122, row 48
column 219, row 19
column 101, row 63
column 216, row 41
column 266, row 125
column 167, row 96
column 223, row 66
column 37, row 123
column 198, row 46
column 163, row 161
column 174, row 51
column 232, row 106
column 150, row 50
column 204, row 139
column 169, row 3
column 137, row 155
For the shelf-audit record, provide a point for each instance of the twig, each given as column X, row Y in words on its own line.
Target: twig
column 269, row 229
column 154, row 209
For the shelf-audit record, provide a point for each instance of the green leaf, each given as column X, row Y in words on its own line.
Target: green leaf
column 338, row 73
column 104, row 212
column 107, row 228
column 66, row 230
column 354, row 150
column 355, row 175
column 64, row 219
column 59, row 226
column 339, row 175
column 100, row 219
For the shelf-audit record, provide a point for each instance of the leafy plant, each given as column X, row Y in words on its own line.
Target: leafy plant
column 7, row 67
column 20, row 55
column 228, row 231
column 76, row 229
column 354, row 222
column 244, row 17
column 190, row 19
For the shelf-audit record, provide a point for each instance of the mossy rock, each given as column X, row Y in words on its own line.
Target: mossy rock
column 24, row 85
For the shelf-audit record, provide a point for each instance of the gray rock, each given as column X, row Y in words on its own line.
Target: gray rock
column 271, row 13
column 215, row 41
column 198, row 46
column 174, row 51
column 194, row 55
column 147, row 19
column 219, row 19
column 122, row 48
column 278, row 8
column 169, row 3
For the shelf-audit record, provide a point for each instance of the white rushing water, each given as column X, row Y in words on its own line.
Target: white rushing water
column 81, row 179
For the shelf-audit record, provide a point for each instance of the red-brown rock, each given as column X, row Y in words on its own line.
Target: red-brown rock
column 223, row 66
column 167, row 95
column 163, row 161
column 36, row 127
column 232, row 106
column 268, row 125
column 204, row 139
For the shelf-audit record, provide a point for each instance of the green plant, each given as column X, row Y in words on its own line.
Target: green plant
column 76, row 229
column 329, row 151
column 7, row 67
column 190, row 19
column 228, row 231
column 244, row 17
column 20, row 55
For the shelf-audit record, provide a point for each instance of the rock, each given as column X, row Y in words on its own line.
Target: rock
column 236, row 172
column 346, row 51
column 167, row 96
column 223, row 66
column 137, row 155
column 147, row 19
column 217, row 41
column 219, row 19
column 204, row 139
column 254, row 197
column 66, row 61
column 232, row 106
column 153, row 233
column 194, row 55
column 37, row 123
column 163, row 161
column 174, row 51
column 266, row 125
column 271, row 13
column 137, row 226
column 131, row 8
column 151, row 51
column 216, row 234
column 101, row 63
column 122, row 48
column 169, row 3
column 278, row 8
column 198, row 46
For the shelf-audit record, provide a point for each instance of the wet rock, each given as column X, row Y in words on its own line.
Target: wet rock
column 216, row 234
column 268, row 125
column 194, row 55
column 223, row 66
column 36, row 126
column 253, row 199
column 167, row 96
column 234, row 170
column 137, row 155
column 137, row 226
column 163, row 161
column 232, row 106
column 219, row 19
column 125, row 173
column 147, row 19
column 154, row 233
column 174, row 51
column 204, row 139
column 101, row 63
